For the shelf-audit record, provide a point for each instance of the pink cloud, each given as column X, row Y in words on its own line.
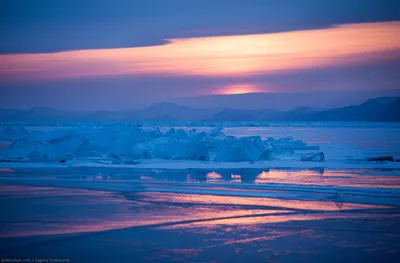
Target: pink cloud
column 240, row 55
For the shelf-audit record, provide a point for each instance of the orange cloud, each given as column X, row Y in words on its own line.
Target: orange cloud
column 217, row 56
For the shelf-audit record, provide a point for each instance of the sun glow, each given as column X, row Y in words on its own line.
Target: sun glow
column 240, row 89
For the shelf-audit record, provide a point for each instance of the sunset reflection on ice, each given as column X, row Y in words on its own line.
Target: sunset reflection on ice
column 182, row 200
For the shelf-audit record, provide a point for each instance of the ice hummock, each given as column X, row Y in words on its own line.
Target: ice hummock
column 127, row 143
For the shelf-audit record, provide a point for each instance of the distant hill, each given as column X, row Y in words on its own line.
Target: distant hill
column 385, row 109
column 248, row 115
column 37, row 114
column 163, row 111
column 48, row 114
column 173, row 112
column 283, row 101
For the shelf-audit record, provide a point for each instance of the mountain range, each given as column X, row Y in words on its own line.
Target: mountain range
column 384, row 109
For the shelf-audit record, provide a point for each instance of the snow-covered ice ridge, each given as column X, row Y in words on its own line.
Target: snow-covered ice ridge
column 130, row 144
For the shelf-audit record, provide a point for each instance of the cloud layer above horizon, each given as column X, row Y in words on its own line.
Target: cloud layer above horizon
column 125, row 54
column 221, row 56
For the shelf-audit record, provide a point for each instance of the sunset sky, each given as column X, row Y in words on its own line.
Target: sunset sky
column 115, row 55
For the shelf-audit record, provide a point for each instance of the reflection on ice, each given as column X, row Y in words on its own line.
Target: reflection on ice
column 354, row 178
column 224, row 175
column 213, row 176
column 236, row 178
column 6, row 170
column 356, row 186
column 111, row 212
column 266, row 203
column 329, row 177
column 187, row 198
column 93, row 211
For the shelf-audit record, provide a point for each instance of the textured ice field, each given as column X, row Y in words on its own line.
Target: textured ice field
column 340, row 177
column 345, row 145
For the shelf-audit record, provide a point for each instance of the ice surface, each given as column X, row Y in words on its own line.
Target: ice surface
column 347, row 145
column 125, row 143
column 313, row 157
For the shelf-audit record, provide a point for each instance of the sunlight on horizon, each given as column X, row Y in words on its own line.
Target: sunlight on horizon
column 241, row 88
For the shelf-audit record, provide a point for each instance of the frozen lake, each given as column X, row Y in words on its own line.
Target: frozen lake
column 267, row 214
column 200, row 215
